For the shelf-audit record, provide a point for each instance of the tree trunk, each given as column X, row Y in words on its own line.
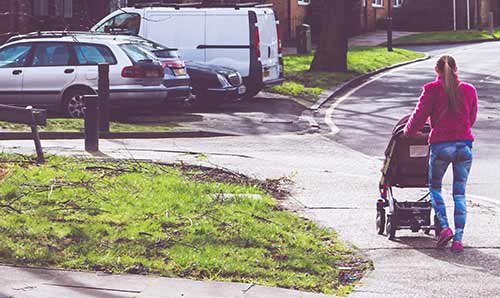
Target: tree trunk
column 331, row 55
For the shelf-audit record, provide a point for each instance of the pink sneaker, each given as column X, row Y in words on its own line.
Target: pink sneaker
column 444, row 237
column 457, row 247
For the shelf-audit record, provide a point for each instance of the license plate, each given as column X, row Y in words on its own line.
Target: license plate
column 179, row 71
column 151, row 73
column 242, row 89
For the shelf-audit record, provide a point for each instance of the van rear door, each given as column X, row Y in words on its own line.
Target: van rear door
column 269, row 42
column 227, row 39
column 183, row 29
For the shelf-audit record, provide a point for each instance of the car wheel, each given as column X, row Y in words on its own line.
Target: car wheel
column 202, row 100
column 73, row 104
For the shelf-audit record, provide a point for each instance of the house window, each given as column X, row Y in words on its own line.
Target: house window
column 68, row 8
column 397, row 3
column 40, row 7
column 58, row 8
column 304, row 2
column 378, row 3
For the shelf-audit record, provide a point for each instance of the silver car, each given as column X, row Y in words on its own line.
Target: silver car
column 57, row 68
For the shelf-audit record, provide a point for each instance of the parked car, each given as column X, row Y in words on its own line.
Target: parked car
column 210, row 83
column 57, row 68
column 241, row 37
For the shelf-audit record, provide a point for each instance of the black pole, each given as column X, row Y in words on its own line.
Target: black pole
column 91, row 122
column 389, row 26
column 36, row 138
column 103, row 91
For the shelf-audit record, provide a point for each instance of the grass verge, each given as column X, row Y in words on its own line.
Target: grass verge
column 76, row 125
column 172, row 220
column 447, row 36
column 300, row 82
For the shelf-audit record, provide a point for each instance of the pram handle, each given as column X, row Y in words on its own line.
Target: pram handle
column 400, row 126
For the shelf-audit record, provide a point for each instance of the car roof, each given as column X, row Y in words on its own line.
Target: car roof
column 68, row 36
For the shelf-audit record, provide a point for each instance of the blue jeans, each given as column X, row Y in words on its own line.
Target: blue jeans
column 459, row 154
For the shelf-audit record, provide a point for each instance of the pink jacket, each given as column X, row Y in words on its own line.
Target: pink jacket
column 446, row 125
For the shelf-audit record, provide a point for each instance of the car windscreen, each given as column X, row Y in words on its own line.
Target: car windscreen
column 136, row 54
column 125, row 23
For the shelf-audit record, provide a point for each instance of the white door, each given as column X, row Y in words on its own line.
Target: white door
column 269, row 56
column 12, row 68
column 228, row 39
column 50, row 72
column 181, row 29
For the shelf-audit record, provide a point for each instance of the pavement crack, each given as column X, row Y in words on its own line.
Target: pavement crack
column 189, row 152
column 336, row 208
column 425, row 248
column 248, row 289
column 92, row 288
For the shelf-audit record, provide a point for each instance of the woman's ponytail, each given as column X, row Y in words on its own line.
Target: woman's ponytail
column 447, row 66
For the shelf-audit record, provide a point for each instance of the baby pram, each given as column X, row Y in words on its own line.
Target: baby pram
column 405, row 165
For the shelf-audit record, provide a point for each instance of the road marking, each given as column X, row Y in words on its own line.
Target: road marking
column 490, row 200
column 329, row 113
column 482, row 198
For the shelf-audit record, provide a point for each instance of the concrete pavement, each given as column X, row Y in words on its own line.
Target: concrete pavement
column 336, row 186
column 376, row 38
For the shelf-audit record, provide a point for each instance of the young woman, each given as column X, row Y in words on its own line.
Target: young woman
column 452, row 108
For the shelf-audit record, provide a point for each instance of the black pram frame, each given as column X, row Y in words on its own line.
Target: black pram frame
column 405, row 166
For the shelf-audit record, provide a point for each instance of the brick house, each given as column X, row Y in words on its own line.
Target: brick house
column 291, row 14
column 427, row 15
column 21, row 16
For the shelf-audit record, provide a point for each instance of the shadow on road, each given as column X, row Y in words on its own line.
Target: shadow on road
column 471, row 258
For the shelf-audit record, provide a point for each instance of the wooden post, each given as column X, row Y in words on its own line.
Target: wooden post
column 103, row 91
column 454, row 15
column 36, row 137
column 91, row 122
column 492, row 24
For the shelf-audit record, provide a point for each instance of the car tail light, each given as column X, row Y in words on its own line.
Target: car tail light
column 280, row 45
column 173, row 64
column 257, row 42
column 139, row 71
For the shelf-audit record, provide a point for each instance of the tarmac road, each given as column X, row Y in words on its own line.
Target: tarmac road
column 365, row 118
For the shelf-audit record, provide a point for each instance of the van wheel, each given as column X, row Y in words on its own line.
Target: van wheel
column 73, row 104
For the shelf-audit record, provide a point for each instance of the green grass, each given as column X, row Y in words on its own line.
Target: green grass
column 175, row 221
column 300, row 82
column 76, row 125
column 443, row 36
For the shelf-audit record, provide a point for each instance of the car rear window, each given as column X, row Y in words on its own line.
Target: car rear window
column 159, row 50
column 88, row 54
column 135, row 53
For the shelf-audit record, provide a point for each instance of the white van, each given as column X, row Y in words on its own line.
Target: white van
column 245, row 38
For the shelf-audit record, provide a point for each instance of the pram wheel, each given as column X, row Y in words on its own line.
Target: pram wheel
column 391, row 227
column 380, row 221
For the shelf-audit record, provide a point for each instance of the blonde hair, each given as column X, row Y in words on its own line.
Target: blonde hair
column 448, row 68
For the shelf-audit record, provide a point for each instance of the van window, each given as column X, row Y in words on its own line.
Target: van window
column 89, row 54
column 128, row 23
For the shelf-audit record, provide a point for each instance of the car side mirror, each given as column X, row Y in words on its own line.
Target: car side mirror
column 107, row 29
